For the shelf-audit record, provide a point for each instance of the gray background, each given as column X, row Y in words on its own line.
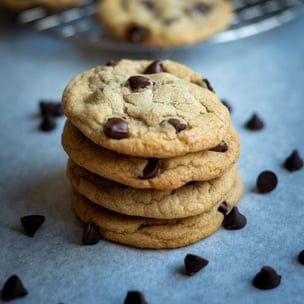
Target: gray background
column 262, row 74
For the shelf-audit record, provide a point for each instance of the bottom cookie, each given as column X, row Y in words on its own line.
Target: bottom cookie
column 153, row 233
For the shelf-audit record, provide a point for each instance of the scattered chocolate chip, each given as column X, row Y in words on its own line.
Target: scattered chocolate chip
column 208, row 84
column 194, row 263
column 51, row 108
column 137, row 33
column 178, row 126
column 234, row 220
column 148, row 4
column 116, row 128
column 151, row 169
column 293, row 162
column 221, row 147
column 254, row 123
column 31, row 223
column 202, row 8
column 266, row 181
column 155, row 67
column 227, row 105
column 135, row 297
column 138, row 82
column 223, row 208
column 13, row 288
column 91, row 234
column 267, row 278
column 48, row 123
column 111, row 62
column 301, row 257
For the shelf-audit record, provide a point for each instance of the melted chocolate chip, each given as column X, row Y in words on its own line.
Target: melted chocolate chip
column 13, row 288
column 266, row 181
column 221, row 147
column 234, row 220
column 31, row 223
column 116, row 128
column 301, row 257
column 48, row 123
column 151, row 169
column 267, row 278
column 178, row 126
column 202, row 8
column 138, row 82
column 137, row 33
column 155, row 67
column 135, row 297
column 194, row 263
column 91, row 234
column 223, row 208
column 254, row 123
column 208, row 84
column 293, row 162
column 227, row 105
column 111, row 62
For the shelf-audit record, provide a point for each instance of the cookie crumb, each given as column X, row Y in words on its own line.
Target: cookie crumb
column 266, row 181
column 91, row 234
column 13, row 288
column 234, row 220
column 267, row 278
column 135, row 297
column 293, row 162
column 194, row 263
column 254, row 123
column 31, row 223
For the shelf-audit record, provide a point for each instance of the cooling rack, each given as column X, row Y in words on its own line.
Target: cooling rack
column 80, row 25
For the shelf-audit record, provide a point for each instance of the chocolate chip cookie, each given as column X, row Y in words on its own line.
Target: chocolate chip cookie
column 189, row 200
column 164, row 23
column 147, row 109
column 151, row 233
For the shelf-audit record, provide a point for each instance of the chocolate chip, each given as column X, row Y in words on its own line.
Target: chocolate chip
column 91, row 234
column 293, row 162
column 135, row 297
column 177, row 124
column 148, row 4
column 221, row 147
column 111, row 62
column 51, row 108
column 254, row 123
column 267, row 278
column 227, row 105
column 151, row 169
column 137, row 33
column 234, row 220
column 223, row 208
column 138, row 82
column 194, row 263
column 155, row 67
column 13, row 288
column 48, row 123
column 266, row 181
column 208, row 84
column 116, row 128
column 31, row 223
column 202, row 8
column 301, row 257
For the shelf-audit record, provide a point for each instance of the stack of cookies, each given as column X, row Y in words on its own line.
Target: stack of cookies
column 151, row 151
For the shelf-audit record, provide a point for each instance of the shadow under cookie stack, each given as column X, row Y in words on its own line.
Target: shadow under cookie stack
column 151, row 151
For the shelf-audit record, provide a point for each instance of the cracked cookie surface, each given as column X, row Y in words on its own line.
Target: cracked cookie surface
column 137, row 110
column 189, row 200
column 164, row 23
column 173, row 172
column 152, row 233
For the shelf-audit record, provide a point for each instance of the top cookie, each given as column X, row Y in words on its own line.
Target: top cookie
column 146, row 108
column 23, row 4
column 164, row 23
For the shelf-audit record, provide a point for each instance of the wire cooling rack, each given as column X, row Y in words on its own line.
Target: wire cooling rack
column 80, row 25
